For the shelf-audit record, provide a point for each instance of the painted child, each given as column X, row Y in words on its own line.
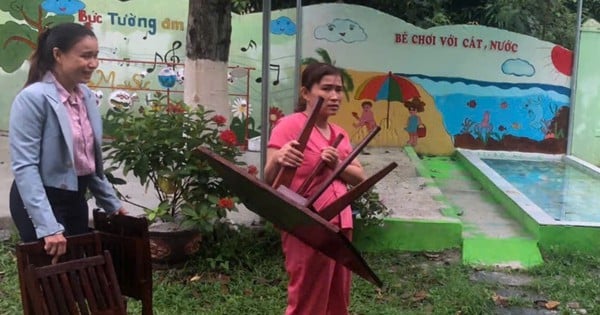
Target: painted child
column 414, row 121
column 367, row 118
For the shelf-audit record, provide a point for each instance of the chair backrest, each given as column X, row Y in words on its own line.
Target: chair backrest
column 79, row 286
column 33, row 254
column 127, row 239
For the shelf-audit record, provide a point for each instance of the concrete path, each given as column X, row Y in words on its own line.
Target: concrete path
column 490, row 235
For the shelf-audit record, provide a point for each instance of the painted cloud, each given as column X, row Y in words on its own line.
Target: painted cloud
column 283, row 25
column 344, row 30
column 63, row 7
column 518, row 67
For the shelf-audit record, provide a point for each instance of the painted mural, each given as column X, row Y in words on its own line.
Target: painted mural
column 140, row 49
column 435, row 89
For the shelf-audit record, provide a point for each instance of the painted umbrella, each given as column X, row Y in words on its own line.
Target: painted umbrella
column 388, row 87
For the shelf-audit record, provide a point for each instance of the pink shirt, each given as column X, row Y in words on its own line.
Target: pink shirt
column 83, row 135
column 288, row 128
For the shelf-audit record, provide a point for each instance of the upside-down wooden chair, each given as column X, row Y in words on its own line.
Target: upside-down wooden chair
column 292, row 211
column 76, row 287
column 127, row 239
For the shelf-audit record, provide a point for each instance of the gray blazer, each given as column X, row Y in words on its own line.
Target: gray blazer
column 41, row 149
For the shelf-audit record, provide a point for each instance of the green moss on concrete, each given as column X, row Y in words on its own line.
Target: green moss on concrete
column 408, row 235
column 519, row 252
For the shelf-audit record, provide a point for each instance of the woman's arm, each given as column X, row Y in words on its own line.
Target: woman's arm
column 354, row 173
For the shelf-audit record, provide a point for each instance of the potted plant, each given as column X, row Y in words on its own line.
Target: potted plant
column 155, row 143
column 369, row 209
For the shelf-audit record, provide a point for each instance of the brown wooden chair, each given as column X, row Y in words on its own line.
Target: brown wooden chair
column 80, row 286
column 33, row 254
column 125, row 237
column 127, row 240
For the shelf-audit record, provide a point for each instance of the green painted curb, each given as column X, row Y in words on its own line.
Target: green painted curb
column 516, row 252
column 408, row 235
column 421, row 169
column 572, row 238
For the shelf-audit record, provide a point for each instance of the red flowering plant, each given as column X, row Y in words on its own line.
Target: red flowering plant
column 155, row 143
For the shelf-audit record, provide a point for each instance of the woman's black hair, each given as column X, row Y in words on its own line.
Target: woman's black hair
column 62, row 36
column 312, row 74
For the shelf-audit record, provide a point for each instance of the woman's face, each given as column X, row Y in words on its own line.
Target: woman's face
column 330, row 89
column 78, row 63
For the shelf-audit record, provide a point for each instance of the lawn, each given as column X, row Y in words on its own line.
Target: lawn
column 242, row 273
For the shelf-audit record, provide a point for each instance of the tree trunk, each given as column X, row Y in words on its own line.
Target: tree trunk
column 207, row 51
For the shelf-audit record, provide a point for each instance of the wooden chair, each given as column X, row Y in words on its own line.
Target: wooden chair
column 80, row 286
column 125, row 237
column 33, row 254
column 127, row 240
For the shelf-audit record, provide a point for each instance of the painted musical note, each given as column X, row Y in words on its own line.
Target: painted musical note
column 272, row 67
column 251, row 44
column 124, row 62
column 156, row 56
column 174, row 58
column 145, row 36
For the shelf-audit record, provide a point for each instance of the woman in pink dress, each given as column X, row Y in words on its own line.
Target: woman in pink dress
column 317, row 284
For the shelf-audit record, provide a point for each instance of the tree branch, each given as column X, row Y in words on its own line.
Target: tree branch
column 19, row 39
column 35, row 24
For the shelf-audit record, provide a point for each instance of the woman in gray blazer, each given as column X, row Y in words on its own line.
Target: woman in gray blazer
column 55, row 133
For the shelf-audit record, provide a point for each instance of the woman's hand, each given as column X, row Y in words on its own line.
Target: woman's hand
column 329, row 155
column 289, row 156
column 121, row 211
column 55, row 245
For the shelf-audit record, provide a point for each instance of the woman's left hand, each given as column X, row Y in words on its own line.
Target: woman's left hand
column 330, row 156
column 121, row 211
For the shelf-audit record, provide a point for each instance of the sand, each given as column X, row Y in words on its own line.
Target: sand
column 403, row 191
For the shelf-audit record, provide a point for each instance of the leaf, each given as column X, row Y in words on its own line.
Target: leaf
column 551, row 305
column 20, row 9
column 53, row 20
column 420, row 296
column 432, row 256
column 499, row 300
column 16, row 42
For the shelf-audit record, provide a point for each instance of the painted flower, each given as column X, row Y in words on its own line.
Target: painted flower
column 240, row 108
column 228, row 137
column 175, row 109
column 226, row 203
column 252, row 170
column 219, row 120
column 274, row 115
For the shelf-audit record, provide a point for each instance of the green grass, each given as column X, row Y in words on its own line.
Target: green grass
column 243, row 274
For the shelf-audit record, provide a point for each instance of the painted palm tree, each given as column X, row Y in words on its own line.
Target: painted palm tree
column 348, row 84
